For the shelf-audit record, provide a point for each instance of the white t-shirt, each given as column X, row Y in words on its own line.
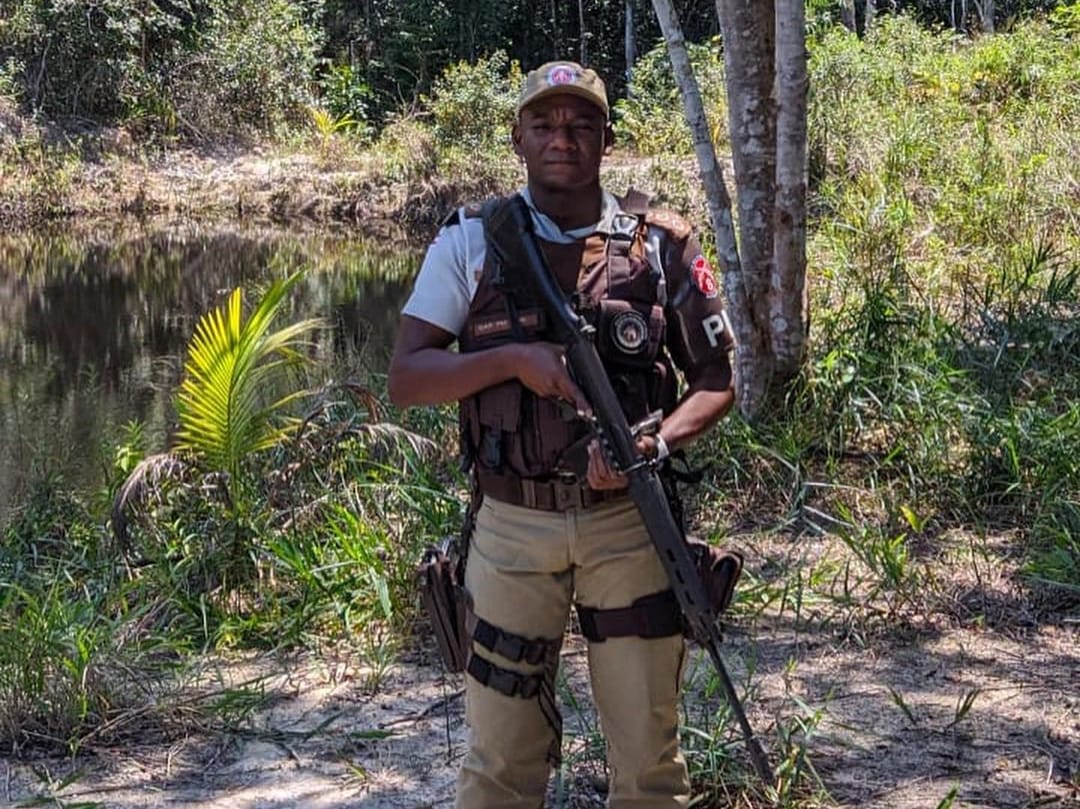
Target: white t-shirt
column 450, row 274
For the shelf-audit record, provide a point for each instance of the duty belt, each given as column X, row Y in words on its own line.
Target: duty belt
column 555, row 494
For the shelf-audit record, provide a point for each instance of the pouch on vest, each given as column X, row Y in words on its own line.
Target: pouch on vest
column 629, row 334
column 442, row 591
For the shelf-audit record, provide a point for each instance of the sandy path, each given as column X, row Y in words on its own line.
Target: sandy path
column 323, row 739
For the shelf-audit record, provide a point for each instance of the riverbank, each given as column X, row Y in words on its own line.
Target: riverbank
column 51, row 174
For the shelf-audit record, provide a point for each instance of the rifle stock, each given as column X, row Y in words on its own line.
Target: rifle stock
column 620, row 446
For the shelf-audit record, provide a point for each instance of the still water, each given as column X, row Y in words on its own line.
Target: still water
column 94, row 325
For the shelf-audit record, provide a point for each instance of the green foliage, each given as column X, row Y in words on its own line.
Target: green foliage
column 251, row 69
column 651, row 120
column 92, row 59
column 1055, row 557
column 472, row 105
column 346, row 97
column 234, row 364
column 1066, row 18
column 226, row 65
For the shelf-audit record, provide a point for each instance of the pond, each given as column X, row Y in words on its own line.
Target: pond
column 94, row 327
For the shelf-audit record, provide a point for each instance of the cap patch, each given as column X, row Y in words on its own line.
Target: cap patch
column 702, row 276
column 561, row 74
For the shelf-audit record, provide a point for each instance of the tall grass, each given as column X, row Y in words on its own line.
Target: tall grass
column 944, row 264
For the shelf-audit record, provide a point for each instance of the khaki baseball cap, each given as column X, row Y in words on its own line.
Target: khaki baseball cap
column 554, row 78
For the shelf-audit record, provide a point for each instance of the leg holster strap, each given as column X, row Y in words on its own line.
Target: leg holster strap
column 651, row 616
column 507, row 644
column 505, row 681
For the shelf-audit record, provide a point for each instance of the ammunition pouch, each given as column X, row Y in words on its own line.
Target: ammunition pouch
column 442, row 592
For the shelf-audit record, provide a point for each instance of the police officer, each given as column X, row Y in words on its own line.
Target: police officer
column 556, row 528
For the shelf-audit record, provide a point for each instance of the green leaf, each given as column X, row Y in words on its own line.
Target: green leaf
column 223, row 404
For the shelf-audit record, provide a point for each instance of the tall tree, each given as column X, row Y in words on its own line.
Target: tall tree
column 986, row 15
column 789, row 312
column 583, row 34
column 764, row 269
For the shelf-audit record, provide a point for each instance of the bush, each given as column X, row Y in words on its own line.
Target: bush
column 250, row 71
column 651, row 120
column 472, row 105
column 346, row 97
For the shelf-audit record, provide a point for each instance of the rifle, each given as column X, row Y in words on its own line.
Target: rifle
column 512, row 219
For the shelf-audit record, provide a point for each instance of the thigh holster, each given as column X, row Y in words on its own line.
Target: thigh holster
column 538, row 685
column 443, row 595
column 658, row 615
column 652, row 616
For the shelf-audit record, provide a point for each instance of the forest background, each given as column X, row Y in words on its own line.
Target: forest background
column 924, row 476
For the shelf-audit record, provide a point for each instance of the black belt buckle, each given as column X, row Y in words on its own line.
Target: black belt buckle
column 568, row 495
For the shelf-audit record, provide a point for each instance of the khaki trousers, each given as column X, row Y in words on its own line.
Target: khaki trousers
column 525, row 568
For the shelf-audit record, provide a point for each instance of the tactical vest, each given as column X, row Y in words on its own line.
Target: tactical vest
column 509, row 430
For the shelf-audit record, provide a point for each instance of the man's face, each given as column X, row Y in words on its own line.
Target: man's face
column 562, row 139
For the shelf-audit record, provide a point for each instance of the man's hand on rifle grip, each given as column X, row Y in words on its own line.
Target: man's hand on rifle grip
column 601, row 475
column 541, row 367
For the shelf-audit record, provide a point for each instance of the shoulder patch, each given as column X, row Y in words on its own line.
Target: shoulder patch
column 670, row 221
column 701, row 273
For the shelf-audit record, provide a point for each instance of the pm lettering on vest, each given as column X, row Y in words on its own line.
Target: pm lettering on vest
column 715, row 327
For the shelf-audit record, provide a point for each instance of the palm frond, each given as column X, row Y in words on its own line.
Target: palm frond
column 234, row 366
column 144, row 478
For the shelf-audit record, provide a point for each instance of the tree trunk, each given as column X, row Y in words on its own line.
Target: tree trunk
column 764, row 269
column 711, row 174
column 629, row 48
column 869, row 15
column 986, row 15
column 789, row 310
column 555, row 50
column 748, row 32
column 583, row 35
column 847, row 15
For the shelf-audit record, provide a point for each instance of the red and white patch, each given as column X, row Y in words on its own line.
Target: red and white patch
column 702, row 276
column 560, row 74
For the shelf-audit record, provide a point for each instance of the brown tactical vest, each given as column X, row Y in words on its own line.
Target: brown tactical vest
column 509, row 430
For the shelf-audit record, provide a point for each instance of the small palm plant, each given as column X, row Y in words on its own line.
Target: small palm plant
column 224, row 409
column 229, row 407
column 327, row 126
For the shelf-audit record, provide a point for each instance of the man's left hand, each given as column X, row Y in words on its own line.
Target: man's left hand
column 600, row 475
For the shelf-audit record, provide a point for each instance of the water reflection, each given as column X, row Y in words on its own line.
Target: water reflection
column 93, row 327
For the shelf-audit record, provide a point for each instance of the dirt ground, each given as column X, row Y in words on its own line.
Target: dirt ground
column 904, row 714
